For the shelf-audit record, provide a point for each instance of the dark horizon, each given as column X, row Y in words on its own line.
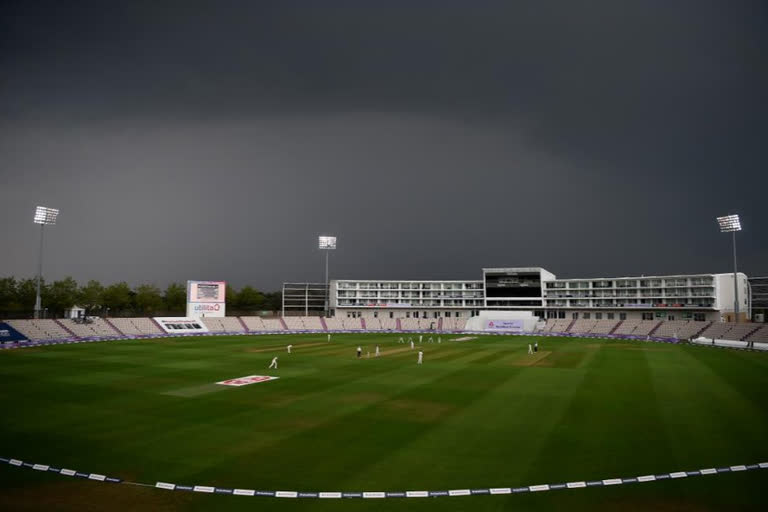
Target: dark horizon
column 216, row 141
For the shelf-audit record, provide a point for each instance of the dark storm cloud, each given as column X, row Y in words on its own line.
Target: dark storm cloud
column 433, row 137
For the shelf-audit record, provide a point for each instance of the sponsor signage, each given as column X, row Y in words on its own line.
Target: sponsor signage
column 8, row 333
column 504, row 325
column 245, row 381
column 181, row 325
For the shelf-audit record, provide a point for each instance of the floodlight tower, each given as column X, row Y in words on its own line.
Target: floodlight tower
column 327, row 243
column 732, row 224
column 45, row 217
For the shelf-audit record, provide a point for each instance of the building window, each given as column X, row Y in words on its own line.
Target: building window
column 647, row 316
column 699, row 317
column 575, row 316
column 375, row 314
column 610, row 316
column 391, row 314
column 598, row 316
column 561, row 314
column 407, row 314
column 622, row 316
column 586, row 316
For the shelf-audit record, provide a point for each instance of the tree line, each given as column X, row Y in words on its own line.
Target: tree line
column 17, row 298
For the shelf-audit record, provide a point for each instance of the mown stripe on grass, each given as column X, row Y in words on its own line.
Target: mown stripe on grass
column 612, row 421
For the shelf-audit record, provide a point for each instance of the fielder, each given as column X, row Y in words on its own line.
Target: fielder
column 273, row 364
column 530, row 348
column 289, row 348
column 411, row 344
column 401, row 340
column 329, row 336
column 421, row 357
column 430, row 340
column 420, row 336
column 438, row 340
column 359, row 352
column 377, row 351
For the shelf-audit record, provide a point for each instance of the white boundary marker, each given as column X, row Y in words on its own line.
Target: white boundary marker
column 388, row 494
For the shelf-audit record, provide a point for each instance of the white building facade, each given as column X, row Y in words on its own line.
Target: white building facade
column 704, row 297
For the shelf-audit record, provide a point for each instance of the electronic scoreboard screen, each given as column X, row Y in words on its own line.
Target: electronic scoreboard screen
column 512, row 284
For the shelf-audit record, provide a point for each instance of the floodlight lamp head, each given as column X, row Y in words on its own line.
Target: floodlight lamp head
column 729, row 223
column 327, row 242
column 46, row 216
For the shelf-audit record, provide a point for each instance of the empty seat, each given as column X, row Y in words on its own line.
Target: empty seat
column 312, row 323
column 760, row 335
column 627, row 326
column 561, row 325
column 254, row 323
column 93, row 327
column 645, row 327
column 716, row 330
column 352, row 324
column 582, row 326
column 136, row 326
column 604, row 326
column 334, row 324
column 40, row 330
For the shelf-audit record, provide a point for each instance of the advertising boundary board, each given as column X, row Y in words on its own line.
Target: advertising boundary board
column 10, row 335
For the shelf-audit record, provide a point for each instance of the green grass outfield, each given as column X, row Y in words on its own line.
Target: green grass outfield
column 479, row 413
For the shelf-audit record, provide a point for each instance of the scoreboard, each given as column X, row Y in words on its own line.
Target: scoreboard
column 206, row 298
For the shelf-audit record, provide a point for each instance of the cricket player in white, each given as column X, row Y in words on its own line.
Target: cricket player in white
column 438, row 339
column 530, row 348
column 289, row 348
column 401, row 340
column 411, row 344
column 377, row 351
column 420, row 336
column 329, row 336
column 431, row 340
column 273, row 364
column 421, row 357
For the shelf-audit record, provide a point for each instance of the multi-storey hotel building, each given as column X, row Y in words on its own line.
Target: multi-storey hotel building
column 702, row 297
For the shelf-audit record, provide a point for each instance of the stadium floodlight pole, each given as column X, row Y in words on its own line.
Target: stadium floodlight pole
column 45, row 217
column 327, row 243
column 732, row 224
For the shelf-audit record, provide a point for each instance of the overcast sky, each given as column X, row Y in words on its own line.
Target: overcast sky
column 216, row 140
